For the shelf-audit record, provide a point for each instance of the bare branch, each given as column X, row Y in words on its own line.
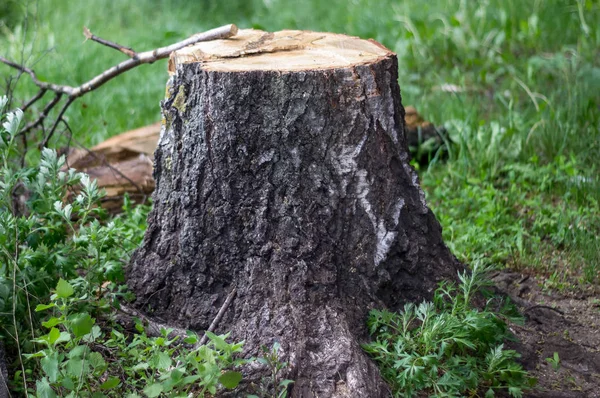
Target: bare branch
column 72, row 93
column 220, row 314
column 125, row 50
column 56, row 122
column 36, row 97
column 38, row 122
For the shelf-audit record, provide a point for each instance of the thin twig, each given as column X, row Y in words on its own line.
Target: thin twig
column 36, row 97
column 220, row 314
column 125, row 50
column 155, row 327
column 56, row 122
column 37, row 122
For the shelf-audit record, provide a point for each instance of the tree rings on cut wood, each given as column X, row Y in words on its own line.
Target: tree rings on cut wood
column 282, row 171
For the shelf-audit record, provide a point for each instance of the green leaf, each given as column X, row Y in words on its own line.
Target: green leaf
column 161, row 360
column 190, row 379
column 42, row 307
column 176, row 375
column 286, row 382
column 112, row 382
column 230, row 379
column 50, row 366
column 50, row 322
column 43, row 389
column 96, row 360
column 191, row 338
column 64, row 289
column 64, row 337
column 141, row 366
column 67, row 383
column 78, row 351
column 93, row 335
column 75, row 367
column 153, row 390
column 81, row 324
column 53, row 335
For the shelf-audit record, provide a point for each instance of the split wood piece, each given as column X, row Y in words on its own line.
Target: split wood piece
column 121, row 165
column 282, row 169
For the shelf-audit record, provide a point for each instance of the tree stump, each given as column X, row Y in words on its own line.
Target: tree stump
column 282, row 171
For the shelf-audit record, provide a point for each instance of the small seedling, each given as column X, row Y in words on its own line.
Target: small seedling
column 554, row 361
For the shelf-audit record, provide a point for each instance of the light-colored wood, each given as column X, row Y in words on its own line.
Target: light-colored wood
column 287, row 50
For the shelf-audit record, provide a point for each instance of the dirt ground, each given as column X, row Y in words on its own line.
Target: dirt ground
column 565, row 323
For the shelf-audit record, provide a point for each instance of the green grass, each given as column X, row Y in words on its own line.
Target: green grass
column 520, row 187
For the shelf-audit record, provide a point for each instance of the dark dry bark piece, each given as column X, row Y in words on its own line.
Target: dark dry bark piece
column 290, row 182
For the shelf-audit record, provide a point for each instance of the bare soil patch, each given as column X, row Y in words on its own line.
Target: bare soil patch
column 566, row 323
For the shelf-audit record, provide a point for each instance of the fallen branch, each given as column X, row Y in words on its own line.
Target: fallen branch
column 154, row 328
column 125, row 50
column 72, row 93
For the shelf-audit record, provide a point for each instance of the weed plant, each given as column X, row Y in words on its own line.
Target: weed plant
column 448, row 347
column 61, row 281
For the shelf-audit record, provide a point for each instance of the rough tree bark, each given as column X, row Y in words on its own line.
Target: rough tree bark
column 282, row 170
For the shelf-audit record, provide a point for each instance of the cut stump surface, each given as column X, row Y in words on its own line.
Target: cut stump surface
column 282, row 170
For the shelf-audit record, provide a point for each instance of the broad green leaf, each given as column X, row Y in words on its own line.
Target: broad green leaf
column 64, row 337
column 43, row 389
column 78, row 351
column 64, row 289
column 67, row 383
column 51, row 322
column 75, row 367
column 96, row 360
column 192, row 338
column 93, row 335
column 219, row 341
column 190, row 379
column 50, row 366
column 39, row 354
column 53, row 335
column 230, row 379
column 176, row 374
column 286, row 382
column 153, row 390
column 112, row 382
column 161, row 360
column 141, row 366
column 81, row 324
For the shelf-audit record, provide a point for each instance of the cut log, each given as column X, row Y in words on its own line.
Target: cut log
column 282, row 171
column 121, row 165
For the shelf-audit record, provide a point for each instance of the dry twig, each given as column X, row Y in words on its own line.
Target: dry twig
column 72, row 93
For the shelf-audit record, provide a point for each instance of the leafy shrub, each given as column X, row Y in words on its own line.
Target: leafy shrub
column 80, row 359
column 44, row 236
column 446, row 347
column 60, row 255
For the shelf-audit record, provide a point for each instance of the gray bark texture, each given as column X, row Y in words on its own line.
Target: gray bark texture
column 294, row 187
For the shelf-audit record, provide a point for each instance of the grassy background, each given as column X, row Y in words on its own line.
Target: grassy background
column 521, row 187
